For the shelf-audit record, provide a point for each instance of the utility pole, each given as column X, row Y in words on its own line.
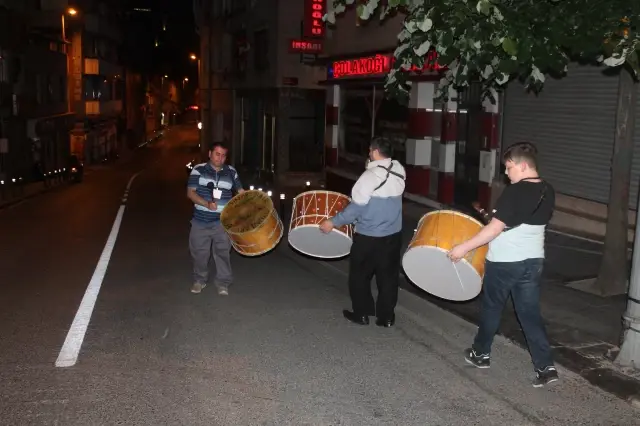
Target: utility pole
column 629, row 355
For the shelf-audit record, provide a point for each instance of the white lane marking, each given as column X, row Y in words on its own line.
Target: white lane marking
column 68, row 355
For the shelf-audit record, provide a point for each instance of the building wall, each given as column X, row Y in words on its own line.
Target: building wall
column 135, row 101
column 290, row 18
column 251, row 99
column 348, row 36
column 43, row 83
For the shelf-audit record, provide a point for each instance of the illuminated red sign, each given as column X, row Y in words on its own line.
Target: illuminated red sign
column 303, row 46
column 313, row 12
column 378, row 65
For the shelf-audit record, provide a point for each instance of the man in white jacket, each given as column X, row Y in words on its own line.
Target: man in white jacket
column 376, row 210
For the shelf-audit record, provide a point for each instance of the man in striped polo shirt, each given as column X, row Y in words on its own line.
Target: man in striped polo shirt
column 211, row 186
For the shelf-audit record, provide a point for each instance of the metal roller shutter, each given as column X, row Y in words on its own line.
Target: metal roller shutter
column 573, row 123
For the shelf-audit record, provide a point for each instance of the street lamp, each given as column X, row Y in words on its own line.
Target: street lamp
column 72, row 12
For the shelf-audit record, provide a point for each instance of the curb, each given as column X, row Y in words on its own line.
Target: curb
column 18, row 200
column 592, row 368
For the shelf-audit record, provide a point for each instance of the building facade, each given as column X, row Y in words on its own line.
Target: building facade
column 95, row 76
column 452, row 150
column 35, row 118
column 266, row 100
column 448, row 148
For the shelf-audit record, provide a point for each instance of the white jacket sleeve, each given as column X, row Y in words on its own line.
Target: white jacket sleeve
column 360, row 196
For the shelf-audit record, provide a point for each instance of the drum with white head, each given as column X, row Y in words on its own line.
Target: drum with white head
column 426, row 263
column 309, row 209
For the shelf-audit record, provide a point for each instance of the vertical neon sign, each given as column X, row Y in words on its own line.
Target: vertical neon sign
column 313, row 12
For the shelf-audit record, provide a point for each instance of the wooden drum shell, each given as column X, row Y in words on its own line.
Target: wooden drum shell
column 426, row 262
column 261, row 238
column 308, row 210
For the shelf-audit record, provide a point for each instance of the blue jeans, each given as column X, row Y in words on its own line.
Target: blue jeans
column 522, row 281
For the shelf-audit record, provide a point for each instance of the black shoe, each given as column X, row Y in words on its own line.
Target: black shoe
column 358, row 319
column 381, row 322
column 476, row 359
column 545, row 376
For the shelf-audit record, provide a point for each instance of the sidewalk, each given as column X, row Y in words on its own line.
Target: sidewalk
column 11, row 194
column 584, row 329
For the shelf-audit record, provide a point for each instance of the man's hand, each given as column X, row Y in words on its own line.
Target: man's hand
column 457, row 253
column 326, row 226
column 211, row 205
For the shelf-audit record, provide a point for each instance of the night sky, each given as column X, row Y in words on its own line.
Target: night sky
column 170, row 24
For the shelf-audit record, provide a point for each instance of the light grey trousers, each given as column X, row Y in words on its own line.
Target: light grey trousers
column 205, row 241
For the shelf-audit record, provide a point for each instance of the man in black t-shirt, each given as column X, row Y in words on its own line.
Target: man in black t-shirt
column 514, row 262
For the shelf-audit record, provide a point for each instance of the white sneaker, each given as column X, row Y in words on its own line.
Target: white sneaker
column 197, row 287
column 223, row 291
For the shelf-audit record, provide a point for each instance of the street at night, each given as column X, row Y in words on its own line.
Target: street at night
column 319, row 212
column 276, row 351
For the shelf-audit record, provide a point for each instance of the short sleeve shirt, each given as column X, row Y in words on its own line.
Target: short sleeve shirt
column 205, row 178
column 526, row 209
column 525, row 202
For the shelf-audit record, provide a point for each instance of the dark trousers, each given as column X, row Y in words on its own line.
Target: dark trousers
column 379, row 257
column 522, row 281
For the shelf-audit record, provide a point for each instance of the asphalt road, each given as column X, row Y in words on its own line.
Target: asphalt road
column 275, row 352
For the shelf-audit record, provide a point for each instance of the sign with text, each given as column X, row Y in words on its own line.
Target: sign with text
column 314, row 10
column 305, row 46
column 376, row 66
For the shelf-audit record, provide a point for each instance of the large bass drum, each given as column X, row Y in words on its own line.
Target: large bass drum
column 309, row 209
column 426, row 263
column 252, row 223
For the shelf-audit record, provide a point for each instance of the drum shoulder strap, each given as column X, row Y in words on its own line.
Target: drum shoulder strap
column 389, row 172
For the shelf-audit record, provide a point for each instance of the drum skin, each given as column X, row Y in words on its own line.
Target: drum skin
column 252, row 223
column 309, row 209
column 426, row 263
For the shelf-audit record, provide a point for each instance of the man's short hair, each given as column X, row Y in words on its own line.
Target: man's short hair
column 522, row 151
column 214, row 145
column 383, row 145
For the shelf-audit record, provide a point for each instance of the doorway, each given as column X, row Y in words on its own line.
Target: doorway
column 468, row 145
column 306, row 128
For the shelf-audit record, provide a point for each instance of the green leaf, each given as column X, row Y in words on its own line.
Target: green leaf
column 484, row 7
column 510, row 46
column 360, row 10
column 508, row 66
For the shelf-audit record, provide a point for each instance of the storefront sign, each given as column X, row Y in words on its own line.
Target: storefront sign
column 314, row 10
column 375, row 66
column 303, row 46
